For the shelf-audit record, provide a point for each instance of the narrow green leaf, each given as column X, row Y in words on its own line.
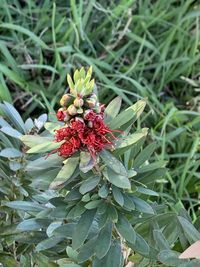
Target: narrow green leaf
column 48, row 243
column 24, row 205
column 34, row 140
column 10, row 153
column 113, row 163
column 130, row 114
column 169, row 258
column 189, row 230
column 87, row 250
column 45, row 147
column 144, row 155
column 125, row 229
column 128, row 141
column 89, row 184
column 11, row 132
column 117, row 179
column 113, row 108
column 118, row 196
column 142, row 205
column 140, row 245
column 82, row 228
column 23, row 30
column 103, row 242
column 65, row 173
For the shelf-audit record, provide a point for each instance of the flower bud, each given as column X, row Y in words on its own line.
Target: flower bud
column 72, row 110
column 66, row 100
column 80, row 111
column 78, row 102
column 91, row 103
column 97, row 108
column 93, row 96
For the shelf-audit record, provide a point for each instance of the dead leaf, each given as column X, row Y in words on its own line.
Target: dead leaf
column 192, row 252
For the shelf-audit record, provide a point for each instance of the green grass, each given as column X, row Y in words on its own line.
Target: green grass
column 138, row 49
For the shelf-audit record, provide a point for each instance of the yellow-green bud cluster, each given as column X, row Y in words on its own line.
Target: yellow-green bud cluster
column 81, row 96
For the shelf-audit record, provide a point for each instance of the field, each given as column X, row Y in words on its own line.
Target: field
column 138, row 49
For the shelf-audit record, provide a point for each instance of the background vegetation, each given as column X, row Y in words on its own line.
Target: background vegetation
column 138, row 49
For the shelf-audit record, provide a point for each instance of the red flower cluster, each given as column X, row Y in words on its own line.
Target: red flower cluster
column 89, row 132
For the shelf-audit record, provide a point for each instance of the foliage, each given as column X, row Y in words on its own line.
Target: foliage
column 90, row 217
column 138, row 49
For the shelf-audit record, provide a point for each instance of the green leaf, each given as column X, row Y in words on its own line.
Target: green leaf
column 125, row 229
column 11, row 132
column 142, row 205
column 146, row 191
column 144, row 155
column 152, row 166
column 65, row 173
column 82, row 228
column 73, row 254
column 130, row 114
column 23, row 30
column 93, row 204
column 117, row 179
column 33, row 224
column 113, row 108
column 112, row 213
column 65, row 230
column 113, row 258
column 140, row 245
column 24, row 205
column 160, row 240
column 44, row 163
column 45, row 147
column 34, row 140
column 169, row 258
column 14, row 116
column 126, row 142
column 103, row 242
column 86, row 162
column 89, row 184
column 10, row 153
column 118, row 196
column 189, row 230
column 87, row 250
column 48, row 243
column 103, row 191
column 113, row 163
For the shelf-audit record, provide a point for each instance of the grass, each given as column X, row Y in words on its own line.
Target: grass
column 138, row 49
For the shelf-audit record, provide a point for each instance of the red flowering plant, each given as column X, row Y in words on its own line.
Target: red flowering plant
column 83, row 115
column 83, row 186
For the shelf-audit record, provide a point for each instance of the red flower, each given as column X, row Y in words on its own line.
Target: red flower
column 69, row 148
column 88, row 132
column 78, row 125
column 64, row 133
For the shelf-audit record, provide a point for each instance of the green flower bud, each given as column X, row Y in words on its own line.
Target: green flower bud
column 80, row 111
column 66, row 100
column 72, row 110
column 97, row 108
column 78, row 102
column 93, row 96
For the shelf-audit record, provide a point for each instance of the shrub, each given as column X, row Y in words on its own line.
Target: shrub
column 92, row 205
